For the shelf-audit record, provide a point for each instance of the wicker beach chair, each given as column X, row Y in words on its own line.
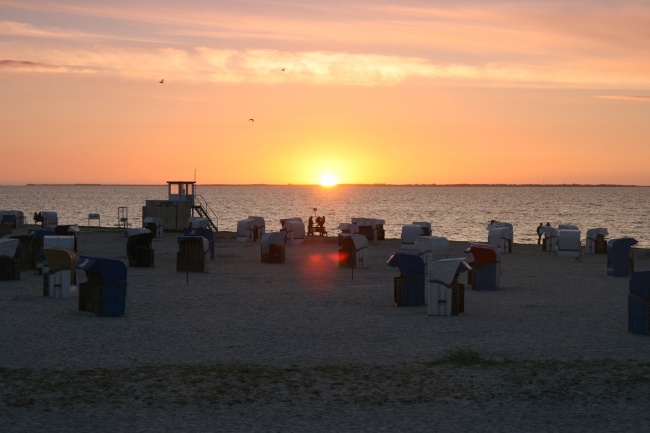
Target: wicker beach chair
column 193, row 254
column 60, row 272
column 273, row 248
column 139, row 250
column 638, row 303
column 9, row 264
column 620, row 257
column 104, row 291
column 408, row 288
column 485, row 273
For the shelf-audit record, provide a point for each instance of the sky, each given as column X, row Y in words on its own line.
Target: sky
column 288, row 91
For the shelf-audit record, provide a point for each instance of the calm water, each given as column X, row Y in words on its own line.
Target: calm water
column 458, row 213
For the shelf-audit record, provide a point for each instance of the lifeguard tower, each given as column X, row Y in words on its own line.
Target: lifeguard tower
column 181, row 204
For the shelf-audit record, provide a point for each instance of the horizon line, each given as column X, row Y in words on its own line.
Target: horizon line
column 351, row 184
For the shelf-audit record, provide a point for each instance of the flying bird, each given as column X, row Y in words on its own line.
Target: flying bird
column 252, row 120
column 162, row 81
column 284, row 69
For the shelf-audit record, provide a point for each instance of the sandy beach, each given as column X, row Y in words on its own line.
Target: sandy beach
column 309, row 346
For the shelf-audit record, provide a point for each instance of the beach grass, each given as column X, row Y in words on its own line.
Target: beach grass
column 460, row 375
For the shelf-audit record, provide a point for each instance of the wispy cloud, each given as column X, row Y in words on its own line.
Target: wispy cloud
column 627, row 98
column 366, row 43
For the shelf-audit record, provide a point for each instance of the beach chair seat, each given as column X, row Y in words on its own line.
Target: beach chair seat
column 408, row 288
column 139, row 250
column 104, row 291
column 193, row 254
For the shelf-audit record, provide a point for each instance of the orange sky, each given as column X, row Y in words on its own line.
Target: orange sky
column 371, row 92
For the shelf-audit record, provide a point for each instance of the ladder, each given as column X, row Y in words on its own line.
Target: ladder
column 203, row 210
column 123, row 216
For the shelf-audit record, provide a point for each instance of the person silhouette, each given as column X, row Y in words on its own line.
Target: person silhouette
column 540, row 232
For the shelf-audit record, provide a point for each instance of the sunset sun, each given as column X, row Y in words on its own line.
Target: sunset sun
column 328, row 179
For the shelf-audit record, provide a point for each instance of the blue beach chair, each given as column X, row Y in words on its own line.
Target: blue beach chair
column 409, row 286
column 620, row 260
column 104, row 292
column 638, row 303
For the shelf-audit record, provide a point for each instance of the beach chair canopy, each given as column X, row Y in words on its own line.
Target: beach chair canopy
column 446, row 271
column 274, row 238
column 58, row 242
column 153, row 220
column 111, row 270
column 140, row 240
column 283, row 221
column 349, row 228
column 64, row 230
column 568, row 240
column 352, row 242
column 198, row 239
column 621, row 245
column 408, row 264
column 60, row 259
column 8, row 246
column 410, row 232
column 246, row 226
column 199, row 231
column 295, row 227
column 50, row 219
column 40, row 233
column 549, row 231
column 425, row 227
column 567, row 227
column 484, row 254
column 436, row 246
column 592, row 233
column 198, row 222
column 640, row 284
column 135, row 231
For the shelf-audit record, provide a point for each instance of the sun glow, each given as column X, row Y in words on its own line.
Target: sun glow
column 328, row 180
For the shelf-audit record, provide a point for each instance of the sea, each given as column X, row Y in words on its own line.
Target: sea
column 459, row 213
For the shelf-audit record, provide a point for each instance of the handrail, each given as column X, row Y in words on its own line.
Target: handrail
column 213, row 216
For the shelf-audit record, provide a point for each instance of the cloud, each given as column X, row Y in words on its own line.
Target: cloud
column 627, row 98
column 508, row 44
column 17, row 63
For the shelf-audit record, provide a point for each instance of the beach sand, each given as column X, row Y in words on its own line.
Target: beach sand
column 309, row 346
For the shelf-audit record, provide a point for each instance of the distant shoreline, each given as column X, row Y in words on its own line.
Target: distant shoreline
column 499, row 185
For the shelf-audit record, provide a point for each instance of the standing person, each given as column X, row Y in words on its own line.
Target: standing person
column 540, row 232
